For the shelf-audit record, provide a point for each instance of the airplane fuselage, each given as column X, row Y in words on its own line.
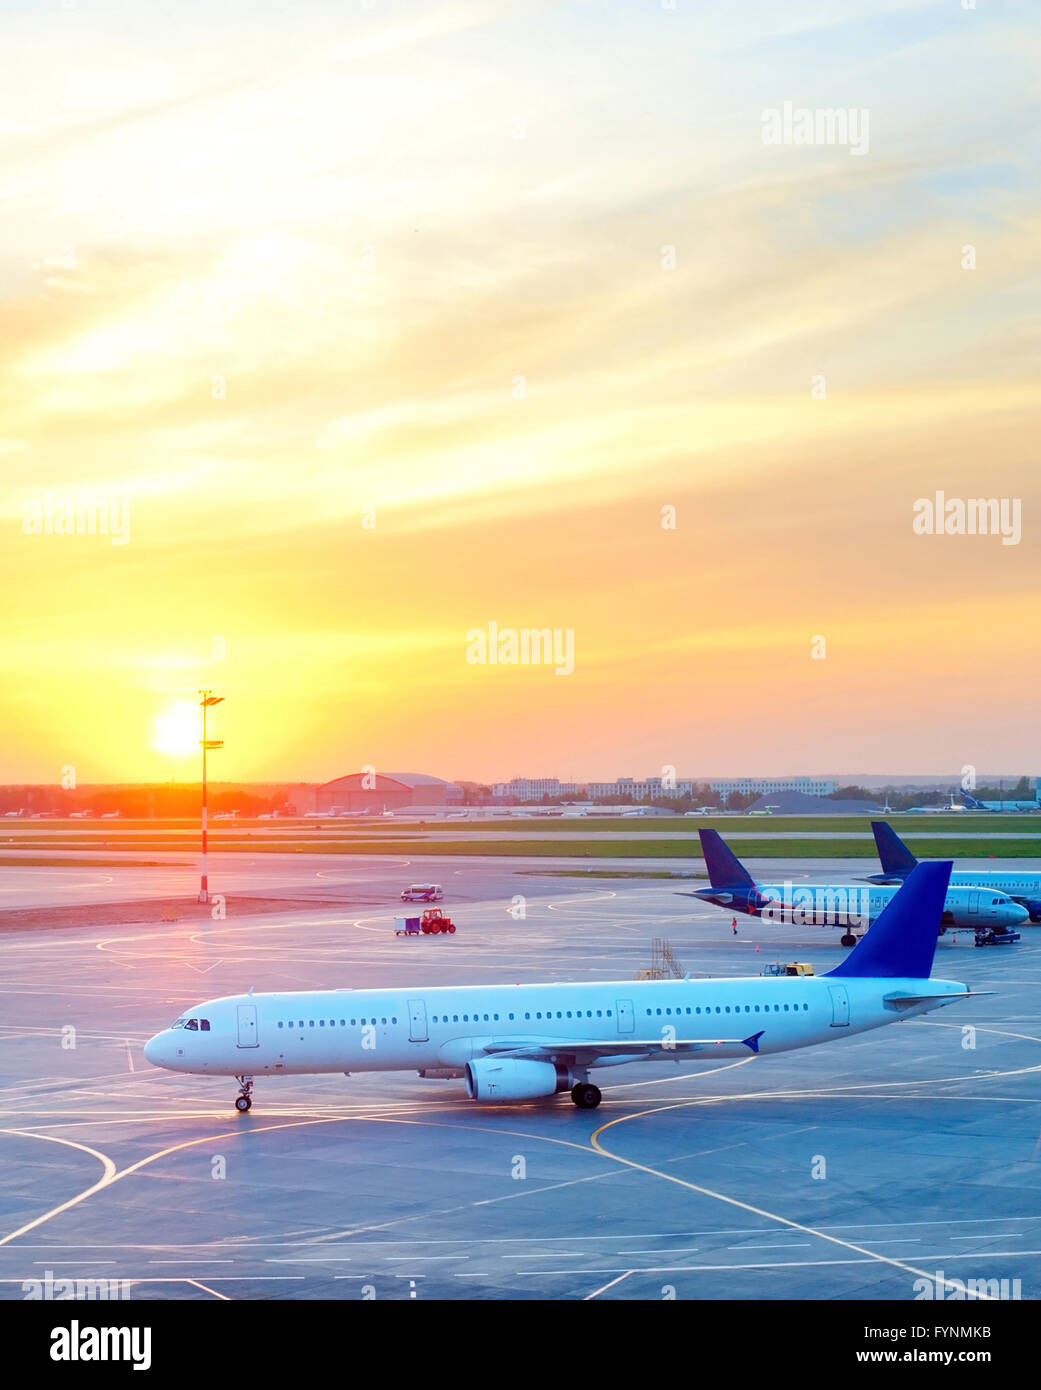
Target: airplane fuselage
column 831, row 905
column 444, row 1028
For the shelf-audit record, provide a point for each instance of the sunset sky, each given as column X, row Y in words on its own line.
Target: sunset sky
column 271, row 271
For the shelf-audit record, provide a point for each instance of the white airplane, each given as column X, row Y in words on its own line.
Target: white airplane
column 526, row 1042
column 836, row 904
column 1007, row 807
column 947, row 810
column 110, row 815
column 1023, row 887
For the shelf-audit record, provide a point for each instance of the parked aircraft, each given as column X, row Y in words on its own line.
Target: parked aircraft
column 834, row 905
column 972, row 804
column 526, row 1042
column 1023, row 887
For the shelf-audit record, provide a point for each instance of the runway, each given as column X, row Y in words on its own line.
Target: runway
column 846, row 1171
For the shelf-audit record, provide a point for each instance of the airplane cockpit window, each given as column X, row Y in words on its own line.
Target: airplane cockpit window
column 204, row 1025
column 192, row 1026
column 179, row 1022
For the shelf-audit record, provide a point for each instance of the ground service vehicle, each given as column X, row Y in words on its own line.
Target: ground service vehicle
column 994, row 936
column 422, row 893
column 432, row 922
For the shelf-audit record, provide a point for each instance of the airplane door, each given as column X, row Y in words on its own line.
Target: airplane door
column 624, row 1012
column 417, row 1020
column 974, row 903
column 247, row 1016
column 839, row 1006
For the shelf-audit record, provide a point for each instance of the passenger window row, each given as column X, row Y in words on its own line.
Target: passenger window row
column 726, row 1009
column 192, row 1023
column 344, row 1023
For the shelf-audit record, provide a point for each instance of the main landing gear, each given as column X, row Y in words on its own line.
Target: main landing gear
column 586, row 1096
column 244, row 1099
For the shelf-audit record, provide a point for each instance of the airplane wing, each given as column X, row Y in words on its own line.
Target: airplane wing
column 586, row 1052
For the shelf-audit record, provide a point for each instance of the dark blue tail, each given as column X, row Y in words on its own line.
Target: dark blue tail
column 971, row 802
column 725, row 870
column 902, row 941
column 897, row 860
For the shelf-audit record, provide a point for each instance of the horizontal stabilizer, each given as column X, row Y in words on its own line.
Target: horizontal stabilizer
column 908, row 1001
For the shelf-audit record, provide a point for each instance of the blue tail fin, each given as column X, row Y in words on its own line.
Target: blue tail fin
column 725, row 870
column 902, row 941
column 971, row 802
column 897, row 860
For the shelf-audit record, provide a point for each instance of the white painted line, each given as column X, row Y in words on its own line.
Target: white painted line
column 666, row 1250
column 222, row 1296
column 605, row 1287
column 778, row 1245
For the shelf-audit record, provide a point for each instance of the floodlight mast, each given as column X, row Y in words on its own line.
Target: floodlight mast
column 208, row 699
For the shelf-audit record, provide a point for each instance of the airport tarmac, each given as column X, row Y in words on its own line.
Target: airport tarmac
column 844, row 1171
column 369, row 878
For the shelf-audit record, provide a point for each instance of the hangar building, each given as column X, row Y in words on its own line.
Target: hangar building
column 386, row 791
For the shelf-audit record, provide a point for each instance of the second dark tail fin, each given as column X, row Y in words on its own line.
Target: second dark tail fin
column 897, row 860
column 725, row 870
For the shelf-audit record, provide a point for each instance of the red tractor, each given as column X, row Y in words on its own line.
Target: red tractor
column 434, row 920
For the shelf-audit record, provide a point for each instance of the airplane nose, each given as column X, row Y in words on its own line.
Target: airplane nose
column 1018, row 915
column 153, row 1050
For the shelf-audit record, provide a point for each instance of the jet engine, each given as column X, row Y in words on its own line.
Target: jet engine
column 508, row 1078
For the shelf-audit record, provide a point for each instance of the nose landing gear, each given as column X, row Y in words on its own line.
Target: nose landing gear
column 244, row 1099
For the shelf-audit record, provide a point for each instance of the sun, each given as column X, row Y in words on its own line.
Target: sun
column 178, row 730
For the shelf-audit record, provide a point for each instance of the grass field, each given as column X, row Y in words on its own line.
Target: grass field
column 65, row 861
column 906, row 825
column 672, row 838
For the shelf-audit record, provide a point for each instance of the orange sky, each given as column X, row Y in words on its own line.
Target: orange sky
column 272, row 277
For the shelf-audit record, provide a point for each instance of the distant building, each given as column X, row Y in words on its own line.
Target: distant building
column 522, row 789
column 766, row 786
column 650, row 788
column 386, row 791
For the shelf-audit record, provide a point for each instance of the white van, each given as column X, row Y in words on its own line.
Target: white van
column 422, row 893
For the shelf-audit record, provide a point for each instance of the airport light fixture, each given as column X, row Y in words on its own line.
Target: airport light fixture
column 208, row 699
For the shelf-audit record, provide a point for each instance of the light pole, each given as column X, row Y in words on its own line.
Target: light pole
column 208, row 699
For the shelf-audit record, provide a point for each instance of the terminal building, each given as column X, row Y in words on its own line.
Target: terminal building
column 764, row 786
column 648, row 788
column 376, row 792
column 523, row 789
